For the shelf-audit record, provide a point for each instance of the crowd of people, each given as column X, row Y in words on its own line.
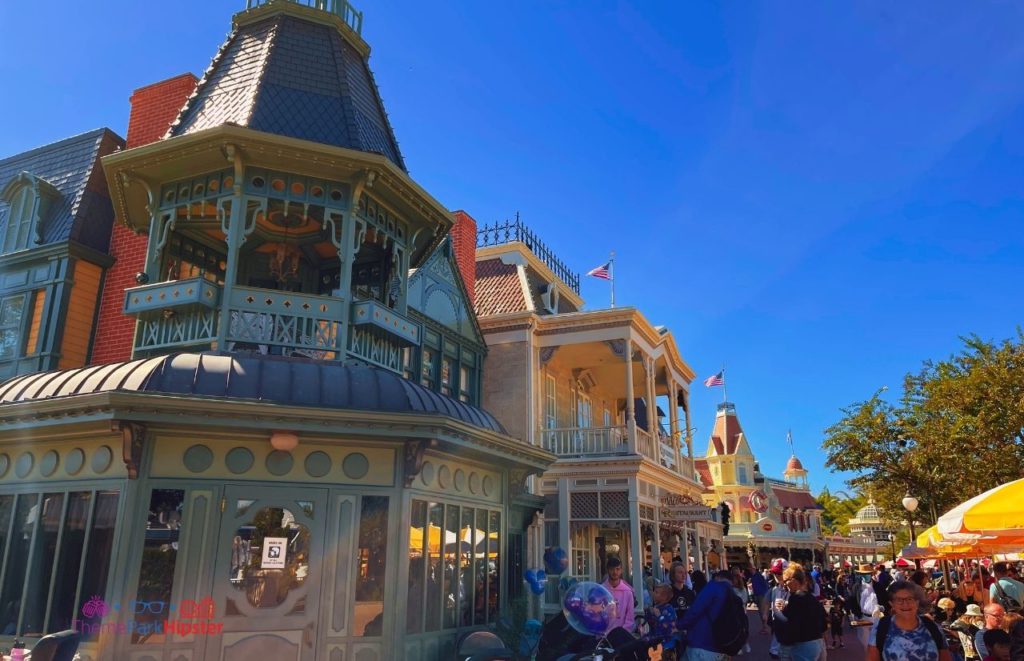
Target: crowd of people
column 898, row 614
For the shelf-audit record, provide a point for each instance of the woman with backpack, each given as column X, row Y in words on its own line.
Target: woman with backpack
column 905, row 635
column 800, row 621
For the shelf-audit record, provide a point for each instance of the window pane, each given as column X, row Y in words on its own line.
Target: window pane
column 467, row 550
column 435, row 569
column 6, row 510
column 447, row 375
column 10, row 311
column 427, row 367
column 483, row 561
column 451, row 569
column 69, row 559
column 25, row 516
column 97, row 556
column 419, row 538
column 373, row 541
column 494, row 577
column 266, row 586
column 159, row 557
column 41, row 565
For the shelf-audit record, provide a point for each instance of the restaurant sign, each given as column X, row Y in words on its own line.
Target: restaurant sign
column 680, row 509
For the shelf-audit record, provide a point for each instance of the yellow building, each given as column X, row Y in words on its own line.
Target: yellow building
column 768, row 517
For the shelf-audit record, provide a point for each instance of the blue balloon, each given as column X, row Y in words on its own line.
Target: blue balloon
column 556, row 560
column 589, row 608
column 536, row 579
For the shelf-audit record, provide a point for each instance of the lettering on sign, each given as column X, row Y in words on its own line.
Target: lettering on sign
column 681, row 509
column 274, row 551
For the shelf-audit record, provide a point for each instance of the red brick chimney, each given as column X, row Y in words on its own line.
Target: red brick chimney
column 463, row 235
column 154, row 108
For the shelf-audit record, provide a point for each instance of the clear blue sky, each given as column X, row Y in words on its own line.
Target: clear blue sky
column 819, row 195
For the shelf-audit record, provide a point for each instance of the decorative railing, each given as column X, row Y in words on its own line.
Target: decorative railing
column 171, row 295
column 302, row 323
column 376, row 349
column 586, row 441
column 340, row 8
column 515, row 230
column 373, row 315
column 646, row 445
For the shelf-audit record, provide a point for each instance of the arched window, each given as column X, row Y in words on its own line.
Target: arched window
column 29, row 199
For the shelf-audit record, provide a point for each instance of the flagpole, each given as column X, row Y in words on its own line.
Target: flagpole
column 725, row 388
column 611, row 274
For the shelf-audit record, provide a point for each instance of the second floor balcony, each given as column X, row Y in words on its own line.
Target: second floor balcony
column 590, row 442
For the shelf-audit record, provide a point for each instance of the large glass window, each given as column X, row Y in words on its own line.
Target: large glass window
column 373, row 542
column 461, row 577
column 11, row 311
column 428, row 360
column 57, row 545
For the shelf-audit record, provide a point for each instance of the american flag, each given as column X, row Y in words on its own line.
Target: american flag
column 716, row 380
column 603, row 271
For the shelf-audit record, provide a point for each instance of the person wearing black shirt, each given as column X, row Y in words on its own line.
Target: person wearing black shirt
column 800, row 622
column 682, row 594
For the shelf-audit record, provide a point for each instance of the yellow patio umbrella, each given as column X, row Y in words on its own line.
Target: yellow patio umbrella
column 996, row 513
column 416, row 539
column 933, row 539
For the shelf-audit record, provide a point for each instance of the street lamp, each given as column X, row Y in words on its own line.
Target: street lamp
column 892, row 541
column 910, row 504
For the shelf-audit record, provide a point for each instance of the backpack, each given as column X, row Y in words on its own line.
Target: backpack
column 886, row 622
column 1009, row 604
column 731, row 628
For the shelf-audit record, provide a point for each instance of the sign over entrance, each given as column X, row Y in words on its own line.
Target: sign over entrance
column 681, row 509
column 274, row 550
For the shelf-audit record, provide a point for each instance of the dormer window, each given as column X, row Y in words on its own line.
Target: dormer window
column 550, row 297
column 29, row 198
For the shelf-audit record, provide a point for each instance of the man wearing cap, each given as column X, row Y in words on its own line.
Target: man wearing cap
column 778, row 591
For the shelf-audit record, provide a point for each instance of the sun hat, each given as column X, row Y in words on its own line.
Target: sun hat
column 974, row 609
column 865, row 568
column 947, row 604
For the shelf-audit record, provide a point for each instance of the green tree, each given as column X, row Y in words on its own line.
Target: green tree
column 837, row 511
column 957, row 430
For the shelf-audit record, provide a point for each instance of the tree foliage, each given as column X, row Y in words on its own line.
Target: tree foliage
column 958, row 430
column 838, row 511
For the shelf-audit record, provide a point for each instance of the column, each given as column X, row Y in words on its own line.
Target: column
column 656, row 548
column 652, row 410
column 636, row 548
column 684, row 546
column 673, row 422
column 563, row 517
column 630, row 408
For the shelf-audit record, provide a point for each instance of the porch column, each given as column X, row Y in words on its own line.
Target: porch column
column 636, row 545
column 563, row 517
column 656, row 571
column 684, row 547
column 673, row 423
column 234, row 239
column 630, row 408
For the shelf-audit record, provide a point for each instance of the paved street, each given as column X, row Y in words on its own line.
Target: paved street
column 759, row 644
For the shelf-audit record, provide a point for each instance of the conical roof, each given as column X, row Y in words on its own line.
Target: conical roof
column 294, row 71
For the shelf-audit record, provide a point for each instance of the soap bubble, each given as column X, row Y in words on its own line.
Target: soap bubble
column 589, row 607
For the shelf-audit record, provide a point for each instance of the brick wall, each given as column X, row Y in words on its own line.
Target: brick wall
column 154, row 107
column 463, row 235
column 505, row 384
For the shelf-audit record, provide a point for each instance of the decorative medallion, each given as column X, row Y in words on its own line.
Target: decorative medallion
column 74, row 461
column 355, row 466
column 24, row 465
column 444, row 477
column 460, row 480
column 48, row 464
column 758, row 501
column 101, row 459
column 427, row 474
column 5, row 464
column 318, row 464
column 474, row 483
column 279, row 462
column 198, row 458
column 239, row 460
column 488, row 485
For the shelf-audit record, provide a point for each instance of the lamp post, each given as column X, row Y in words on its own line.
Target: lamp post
column 910, row 504
column 892, row 542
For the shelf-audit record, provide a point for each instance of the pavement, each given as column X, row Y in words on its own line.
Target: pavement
column 759, row 643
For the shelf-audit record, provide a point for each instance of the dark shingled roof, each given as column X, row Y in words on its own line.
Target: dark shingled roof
column 289, row 381
column 292, row 77
column 84, row 212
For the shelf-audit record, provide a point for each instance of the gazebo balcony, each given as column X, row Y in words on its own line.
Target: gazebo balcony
column 189, row 313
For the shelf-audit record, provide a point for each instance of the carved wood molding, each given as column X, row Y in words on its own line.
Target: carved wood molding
column 133, row 435
column 415, row 452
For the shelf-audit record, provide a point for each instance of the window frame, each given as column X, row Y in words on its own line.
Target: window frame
column 20, row 350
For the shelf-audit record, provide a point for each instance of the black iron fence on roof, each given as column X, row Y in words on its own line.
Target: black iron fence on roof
column 340, row 8
column 507, row 231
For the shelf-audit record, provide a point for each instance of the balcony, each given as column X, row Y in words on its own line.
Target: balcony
column 592, row 442
column 382, row 320
column 179, row 313
column 297, row 324
column 172, row 295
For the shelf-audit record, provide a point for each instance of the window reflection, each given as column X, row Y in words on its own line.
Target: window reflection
column 483, row 557
column 41, row 564
column 25, row 516
column 71, row 545
column 451, row 556
column 419, row 539
column 373, row 541
column 435, row 568
column 269, row 556
column 493, row 568
column 159, row 558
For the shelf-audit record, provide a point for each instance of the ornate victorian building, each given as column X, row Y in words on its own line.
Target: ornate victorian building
column 607, row 393
column 768, row 517
column 282, row 455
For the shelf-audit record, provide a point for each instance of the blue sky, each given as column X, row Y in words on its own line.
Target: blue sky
column 818, row 195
